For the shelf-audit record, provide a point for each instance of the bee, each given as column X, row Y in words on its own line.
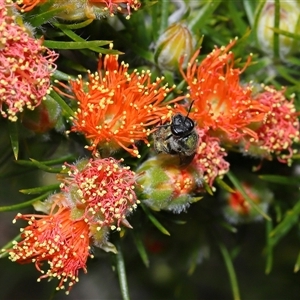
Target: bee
column 178, row 138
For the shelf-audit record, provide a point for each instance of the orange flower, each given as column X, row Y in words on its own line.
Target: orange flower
column 116, row 108
column 56, row 238
column 220, row 102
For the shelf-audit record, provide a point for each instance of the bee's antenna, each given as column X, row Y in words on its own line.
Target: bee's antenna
column 189, row 111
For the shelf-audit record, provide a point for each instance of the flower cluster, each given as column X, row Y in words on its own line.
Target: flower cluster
column 116, row 109
column 96, row 197
column 25, row 67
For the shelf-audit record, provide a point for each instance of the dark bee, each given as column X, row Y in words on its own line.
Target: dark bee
column 178, row 138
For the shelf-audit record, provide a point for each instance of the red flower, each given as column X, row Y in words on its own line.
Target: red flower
column 209, row 158
column 280, row 128
column 56, row 238
column 239, row 204
column 24, row 71
column 104, row 189
column 220, row 102
column 117, row 109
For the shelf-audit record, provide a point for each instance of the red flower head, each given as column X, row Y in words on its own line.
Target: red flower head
column 280, row 128
column 57, row 238
column 24, row 71
column 220, row 102
column 117, row 109
column 239, row 209
column 103, row 189
column 209, row 158
column 239, row 204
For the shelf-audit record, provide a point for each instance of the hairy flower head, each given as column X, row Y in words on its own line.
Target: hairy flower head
column 24, row 69
column 103, row 189
column 280, row 128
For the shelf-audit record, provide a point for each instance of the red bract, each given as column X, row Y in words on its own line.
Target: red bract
column 24, row 70
column 55, row 238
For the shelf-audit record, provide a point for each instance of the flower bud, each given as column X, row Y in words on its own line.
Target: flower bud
column 239, row 210
column 43, row 118
column 165, row 186
column 175, row 42
column 288, row 21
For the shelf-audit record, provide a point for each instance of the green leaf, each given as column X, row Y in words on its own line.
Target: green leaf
column 164, row 9
column 295, row 180
column 39, row 165
column 69, row 113
column 228, row 227
column 43, row 17
column 204, row 15
column 236, row 16
column 256, row 19
column 141, row 249
column 62, row 76
column 76, row 38
column 297, row 264
column 231, row 272
column 9, row 245
column 276, row 43
column 75, row 45
column 289, row 220
column 14, row 138
column 269, row 248
column 154, row 221
column 23, row 204
column 122, row 273
column 52, row 162
column 74, row 26
column 39, row 190
column 239, row 187
column 222, row 184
